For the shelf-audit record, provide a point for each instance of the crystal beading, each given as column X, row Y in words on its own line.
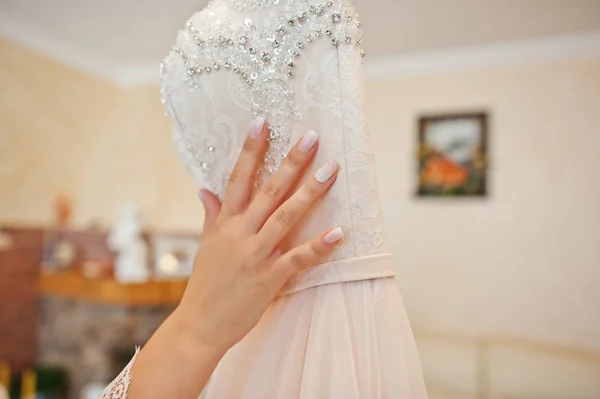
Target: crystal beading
column 251, row 5
column 261, row 54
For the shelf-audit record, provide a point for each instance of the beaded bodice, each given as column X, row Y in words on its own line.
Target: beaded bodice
column 297, row 63
column 263, row 53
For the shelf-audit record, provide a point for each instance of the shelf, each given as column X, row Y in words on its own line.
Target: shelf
column 111, row 292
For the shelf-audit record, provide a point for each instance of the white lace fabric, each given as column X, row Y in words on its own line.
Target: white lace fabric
column 118, row 388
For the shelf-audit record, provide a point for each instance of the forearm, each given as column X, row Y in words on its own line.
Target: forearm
column 173, row 364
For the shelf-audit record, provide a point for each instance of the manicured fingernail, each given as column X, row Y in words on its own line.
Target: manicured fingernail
column 308, row 141
column 333, row 236
column 257, row 127
column 326, row 171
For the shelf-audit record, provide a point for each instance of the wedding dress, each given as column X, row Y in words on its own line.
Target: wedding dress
column 339, row 330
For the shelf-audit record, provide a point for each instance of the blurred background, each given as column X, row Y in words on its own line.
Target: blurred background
column 485, row 118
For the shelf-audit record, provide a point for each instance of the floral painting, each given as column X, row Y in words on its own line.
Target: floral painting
column 452, row 155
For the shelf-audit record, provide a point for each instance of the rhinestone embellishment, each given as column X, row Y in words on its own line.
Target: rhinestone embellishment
column 262, row 55
column 251, row 5
column 301, row 16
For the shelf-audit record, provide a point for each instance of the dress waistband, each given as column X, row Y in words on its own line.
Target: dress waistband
column 340, row 271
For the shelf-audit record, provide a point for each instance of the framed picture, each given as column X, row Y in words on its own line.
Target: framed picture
column 452, row 155
column 173, row 255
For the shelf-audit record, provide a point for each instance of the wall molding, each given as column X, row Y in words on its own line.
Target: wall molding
column 34, row 40
column 577, row 46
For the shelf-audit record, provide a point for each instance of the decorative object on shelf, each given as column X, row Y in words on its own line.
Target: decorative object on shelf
column 64, row 254
column 452, row 155
column 57, row 254
column 131, row 265
column 174, row 255
column 63, row 210
column 96, row 269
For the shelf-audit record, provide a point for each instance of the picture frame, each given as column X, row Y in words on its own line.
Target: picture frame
column 452, row 156
column 173, row 255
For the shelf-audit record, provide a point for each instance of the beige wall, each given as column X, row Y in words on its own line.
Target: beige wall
column 522, row 263
column 525, row 261
column 62, row 132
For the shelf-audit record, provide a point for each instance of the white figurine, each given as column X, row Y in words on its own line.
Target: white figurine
column 125, row 239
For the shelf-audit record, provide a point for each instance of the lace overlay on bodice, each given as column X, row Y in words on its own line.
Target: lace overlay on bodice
column 297, row 63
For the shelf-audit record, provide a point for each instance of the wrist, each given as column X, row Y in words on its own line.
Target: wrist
column 188, row 331
column 175, row 363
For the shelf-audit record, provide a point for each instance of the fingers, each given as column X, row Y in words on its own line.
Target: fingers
column 306, row 255
column 278, row 186
column 288, row 214
column 241, row 181
column 212, row 207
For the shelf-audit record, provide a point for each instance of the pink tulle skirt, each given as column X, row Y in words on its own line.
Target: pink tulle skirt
column 347, row 340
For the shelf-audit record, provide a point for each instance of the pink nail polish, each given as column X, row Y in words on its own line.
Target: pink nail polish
column 308, row 141
column 257, row 127
column 334, row 236
column 326, row 172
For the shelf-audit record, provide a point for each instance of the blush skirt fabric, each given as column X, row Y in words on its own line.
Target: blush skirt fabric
column 347, row 340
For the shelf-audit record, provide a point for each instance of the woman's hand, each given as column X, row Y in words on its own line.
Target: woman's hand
column 238, row 268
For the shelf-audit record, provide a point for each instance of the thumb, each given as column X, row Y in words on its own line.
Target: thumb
column 212, row 207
